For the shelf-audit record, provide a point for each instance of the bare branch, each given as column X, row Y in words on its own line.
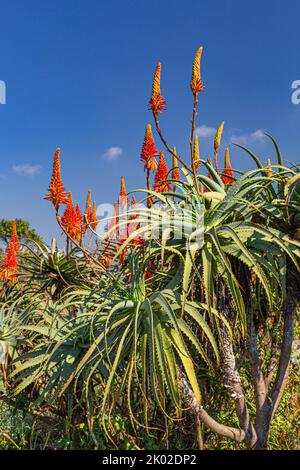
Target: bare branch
column 189, row 401
column 234, row 385
column 259, row 381
column 285, row 354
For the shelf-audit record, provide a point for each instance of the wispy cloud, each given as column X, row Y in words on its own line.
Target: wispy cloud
column 244, row 139
column 259, row 134
column 205, row 131
column 112, row 153
column 26, row 169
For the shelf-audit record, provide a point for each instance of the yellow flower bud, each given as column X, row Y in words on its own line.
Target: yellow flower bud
column 218, row 137
column 196, row 82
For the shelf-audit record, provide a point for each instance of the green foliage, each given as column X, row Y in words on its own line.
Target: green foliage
column 103, row 352
column 25, row 233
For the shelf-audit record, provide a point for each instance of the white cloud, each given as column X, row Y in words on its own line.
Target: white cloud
column 26, row 169
column 205, row 131
column 259, row 134
column 244, row 139
column 112, row 153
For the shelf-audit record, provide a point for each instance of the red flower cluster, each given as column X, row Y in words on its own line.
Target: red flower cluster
column 9, row 268
column 160, row 183
column 149, row 151
column 72, row 220
column 57, row 194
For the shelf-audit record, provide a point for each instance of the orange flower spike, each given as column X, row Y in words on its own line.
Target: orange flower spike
column 196, row 154
column 156, row 81
column 57, row 194
column 196, row 82
column 14, row 236
column 9, row 268
column 88, row 209
column 123, row 198
column 227, row 159
column 217, row 143
column 175, row 170
column 269, row 169
column 71, row 219
column 149, row 150
column 87, row 216
column 123, row 188
column 94, row 216
column 161, row 175
column 78, row 214
column 157, row 102
column 79, row 221
column 115, row 210
column 227, row 173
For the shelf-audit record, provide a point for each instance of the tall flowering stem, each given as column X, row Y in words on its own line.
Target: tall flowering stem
column 72, row 220
column 227, row 172
column 57, row 194
column 92, row 259
column 196, row 81
column 94, row 221
column 217, row 143
column 157, row 102
column 123, row 198
column 148, row 183
column 14, row 236
column 79, row 218
column 149, row 155
column 196, row 88
column 160, row 183
column 155, row 92
column 88, row 215
column 9, row 268
column 149, row 151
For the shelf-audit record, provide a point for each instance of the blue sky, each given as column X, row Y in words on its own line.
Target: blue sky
column 78, row 75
